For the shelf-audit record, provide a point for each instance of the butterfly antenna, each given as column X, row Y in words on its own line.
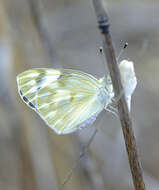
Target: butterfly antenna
column 122, row 50
column 101, row 55
column 69, row 175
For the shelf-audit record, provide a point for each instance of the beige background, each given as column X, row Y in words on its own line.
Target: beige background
column 60, row 33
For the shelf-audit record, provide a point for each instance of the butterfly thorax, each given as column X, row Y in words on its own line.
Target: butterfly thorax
column 106, row 91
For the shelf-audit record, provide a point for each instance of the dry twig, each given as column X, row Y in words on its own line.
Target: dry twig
column 125, row 119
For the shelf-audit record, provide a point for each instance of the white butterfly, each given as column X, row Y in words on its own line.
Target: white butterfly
column 67, row 99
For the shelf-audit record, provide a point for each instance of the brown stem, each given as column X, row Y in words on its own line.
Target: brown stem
column 125, row 119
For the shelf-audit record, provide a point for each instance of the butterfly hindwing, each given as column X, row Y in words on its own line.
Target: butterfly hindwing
column 70, row 101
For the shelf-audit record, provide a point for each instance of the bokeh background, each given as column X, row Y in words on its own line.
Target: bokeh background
column 63, row 33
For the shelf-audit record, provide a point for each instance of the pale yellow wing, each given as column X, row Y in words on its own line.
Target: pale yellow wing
column 71, row 102
column 31, row 81
column 65, row 99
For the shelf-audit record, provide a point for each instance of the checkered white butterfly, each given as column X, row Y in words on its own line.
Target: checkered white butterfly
column 67, row 99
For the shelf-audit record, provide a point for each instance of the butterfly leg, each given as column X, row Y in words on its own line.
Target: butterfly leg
column 116, row 99
column 112, row 110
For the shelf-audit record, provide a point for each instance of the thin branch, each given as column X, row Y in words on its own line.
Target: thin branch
column 124, row 115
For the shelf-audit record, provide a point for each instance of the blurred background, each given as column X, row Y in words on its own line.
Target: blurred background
column 64, row 34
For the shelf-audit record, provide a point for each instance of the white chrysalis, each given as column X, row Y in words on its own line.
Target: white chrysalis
column 128, row 79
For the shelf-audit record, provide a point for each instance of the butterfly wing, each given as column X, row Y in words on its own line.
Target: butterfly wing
column 31, row 81
column 71, row 102
column 65, row 99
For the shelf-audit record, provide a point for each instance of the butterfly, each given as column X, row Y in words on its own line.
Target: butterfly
column 68, row 99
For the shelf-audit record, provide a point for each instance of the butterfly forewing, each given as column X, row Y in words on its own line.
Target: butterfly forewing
column 31, row 81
